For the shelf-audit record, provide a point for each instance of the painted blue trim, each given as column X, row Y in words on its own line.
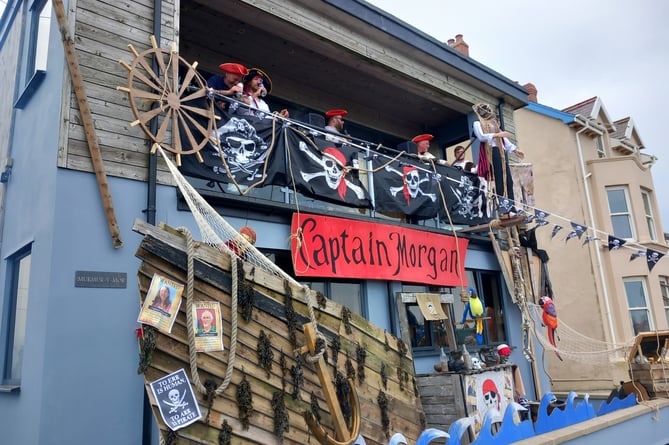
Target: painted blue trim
column 566, row 118
column 30, row 89
column 7, row 20
column 393, row 26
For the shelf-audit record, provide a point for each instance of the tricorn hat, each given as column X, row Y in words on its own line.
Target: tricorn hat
column 234, row 68
column 255, row 72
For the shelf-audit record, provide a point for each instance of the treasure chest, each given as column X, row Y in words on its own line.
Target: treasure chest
column 649, row 362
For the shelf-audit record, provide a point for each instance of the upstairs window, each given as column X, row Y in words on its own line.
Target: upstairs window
column 637, row 303
column 601, row 152
column 39, row 27
column 619, row 210
column 15, row 316
column 664, row 289
column 648, row 211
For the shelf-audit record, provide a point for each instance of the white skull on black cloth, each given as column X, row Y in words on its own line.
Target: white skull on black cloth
column 242, row 148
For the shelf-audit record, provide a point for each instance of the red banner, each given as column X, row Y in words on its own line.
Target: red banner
column 345, row 248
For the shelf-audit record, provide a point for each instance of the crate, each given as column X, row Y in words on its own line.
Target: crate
column 652, row 371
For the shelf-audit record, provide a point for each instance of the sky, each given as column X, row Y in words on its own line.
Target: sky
column 571, row 51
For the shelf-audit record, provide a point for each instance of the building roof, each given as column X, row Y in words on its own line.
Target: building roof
column 594, row 109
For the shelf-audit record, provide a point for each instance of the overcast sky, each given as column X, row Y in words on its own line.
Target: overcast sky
column 571, row 51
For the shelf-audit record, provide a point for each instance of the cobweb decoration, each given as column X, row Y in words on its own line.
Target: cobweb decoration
column 572, row 345
column 215, row 230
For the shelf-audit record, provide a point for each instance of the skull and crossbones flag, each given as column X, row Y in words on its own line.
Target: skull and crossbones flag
column 400, row 186
column 320, row 169
column 248, row 154
column 652, row 257
column 464, row 194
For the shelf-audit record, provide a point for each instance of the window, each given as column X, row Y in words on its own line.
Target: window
column 648, row 211
column 601, row 152
column 39, row 19
column 428, row 334
column 349, row 294
column 620, row 213
column 18, row 274
column 635, row 290
column 664, row 289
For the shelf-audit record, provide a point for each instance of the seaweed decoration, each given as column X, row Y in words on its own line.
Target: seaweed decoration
column 361, row 355
column 384, row 375
column 297, row 375
column 322, row 346
column 281, row 420
column 415, row 387
column 402, row 347
column 386, row 346
column 423, row 421
column 172, row 438
column 246, row 294
column 350, row 370
column 346, row 318
column 343, row 389
column 147, row 344
column 291, row 316
column 321, row 300
column 315, row 408
column 382, row 400
column 265, row 353
column 225, row 435
column 210, row 385
column 284, row 370
column 400, row 378
column 335, row 345
column 245, row 403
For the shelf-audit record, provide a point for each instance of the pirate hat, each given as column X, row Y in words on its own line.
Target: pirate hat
column 246, row 230
column 332, row 113
column 234, row 68
column 257, row 72
column 422, row 137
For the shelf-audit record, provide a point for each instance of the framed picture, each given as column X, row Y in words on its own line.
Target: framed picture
column 162, row 303
column 207, row 326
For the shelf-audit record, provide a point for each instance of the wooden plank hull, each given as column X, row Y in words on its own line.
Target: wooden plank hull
column 387, row 364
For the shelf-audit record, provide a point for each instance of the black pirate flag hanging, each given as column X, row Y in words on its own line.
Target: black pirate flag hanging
column 556, row 229
column 540, row 217
column 652, row 257
column 320, row 169
column 406, row 188
column 464, row 195
column 615, row 243
column 247, row 149
column 577, row 231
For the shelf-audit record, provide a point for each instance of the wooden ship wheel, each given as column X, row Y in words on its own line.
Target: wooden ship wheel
column 176, row 96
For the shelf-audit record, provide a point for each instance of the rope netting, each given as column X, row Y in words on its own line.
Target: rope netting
column 573, row 345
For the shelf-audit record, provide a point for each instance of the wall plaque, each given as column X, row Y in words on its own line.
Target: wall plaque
column 86, row 278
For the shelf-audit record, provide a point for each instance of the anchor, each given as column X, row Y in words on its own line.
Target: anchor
column 342, row 434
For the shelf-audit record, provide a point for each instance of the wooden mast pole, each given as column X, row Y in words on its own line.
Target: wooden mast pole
column 89, row 127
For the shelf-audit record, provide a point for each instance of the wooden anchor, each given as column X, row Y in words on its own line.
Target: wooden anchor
column 342, row 434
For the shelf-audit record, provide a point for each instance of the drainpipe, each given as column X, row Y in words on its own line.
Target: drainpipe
column 153, row 158
column 587, row 126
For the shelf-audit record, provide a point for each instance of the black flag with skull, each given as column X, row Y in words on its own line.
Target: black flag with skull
column 319, row 169
column 247, row 149
column 400, row 186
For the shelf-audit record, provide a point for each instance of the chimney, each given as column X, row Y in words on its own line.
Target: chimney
column 460, row 45
column 531, row 92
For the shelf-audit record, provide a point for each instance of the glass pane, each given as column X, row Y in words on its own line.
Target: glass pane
column 418, row 329
column 348, row 294
column 640, row 320
column 20, row 318
column 621, row 226
column 42, row 44
column 617, row 201
column 635, row 294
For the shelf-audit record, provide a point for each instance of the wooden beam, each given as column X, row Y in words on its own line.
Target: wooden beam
column 87, row 120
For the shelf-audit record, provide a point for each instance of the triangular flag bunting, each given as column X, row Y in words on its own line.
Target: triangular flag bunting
column 615, row 243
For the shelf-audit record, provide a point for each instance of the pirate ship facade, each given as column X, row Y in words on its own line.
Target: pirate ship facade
column 83, row 310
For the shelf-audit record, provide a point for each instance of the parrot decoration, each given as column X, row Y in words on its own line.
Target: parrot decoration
column 549, row 318
column 474, row 308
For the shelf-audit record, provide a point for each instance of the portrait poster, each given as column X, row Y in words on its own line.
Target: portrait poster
column 161, row 304
column 207, row 326
column 486, row 391
column 176, row 400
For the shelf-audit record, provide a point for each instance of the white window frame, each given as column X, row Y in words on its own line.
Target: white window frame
column 664, row 290
column 601, row 151
column 627, row 213
column 38, row 19
column 646, row 307
column 648, row 212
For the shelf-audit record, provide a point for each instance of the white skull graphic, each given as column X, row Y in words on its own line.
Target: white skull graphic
column 174, row 396
column 332, row 172
column 413, row 181
column 490, row 400
column 240, row 151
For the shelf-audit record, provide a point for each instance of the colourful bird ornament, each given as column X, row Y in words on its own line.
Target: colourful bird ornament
column 474, row 308
column 549, row 318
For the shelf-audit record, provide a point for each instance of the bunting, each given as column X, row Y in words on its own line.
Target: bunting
column 652, row 257
column 615, row 243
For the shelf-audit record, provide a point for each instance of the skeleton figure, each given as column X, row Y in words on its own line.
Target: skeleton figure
column 332, row 161
column 175, row 401
column 411, row 183
column 243, row 149
column 470, row 201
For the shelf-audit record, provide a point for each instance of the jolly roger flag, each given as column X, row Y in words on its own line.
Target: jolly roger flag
column 405, row 188
column 248, row 147
column 615, row 243
column 464, row 195
column 318, row 168
column 652, row 257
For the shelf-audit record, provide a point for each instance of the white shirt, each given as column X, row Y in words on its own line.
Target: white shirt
column 489, row 139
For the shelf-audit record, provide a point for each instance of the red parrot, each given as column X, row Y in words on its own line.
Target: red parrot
column 549, row 317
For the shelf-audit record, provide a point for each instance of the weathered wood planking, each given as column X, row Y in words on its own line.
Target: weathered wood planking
column 162, row 252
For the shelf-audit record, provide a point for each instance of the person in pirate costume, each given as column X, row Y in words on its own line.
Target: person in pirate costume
column 257, row 85
column 495, row 145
